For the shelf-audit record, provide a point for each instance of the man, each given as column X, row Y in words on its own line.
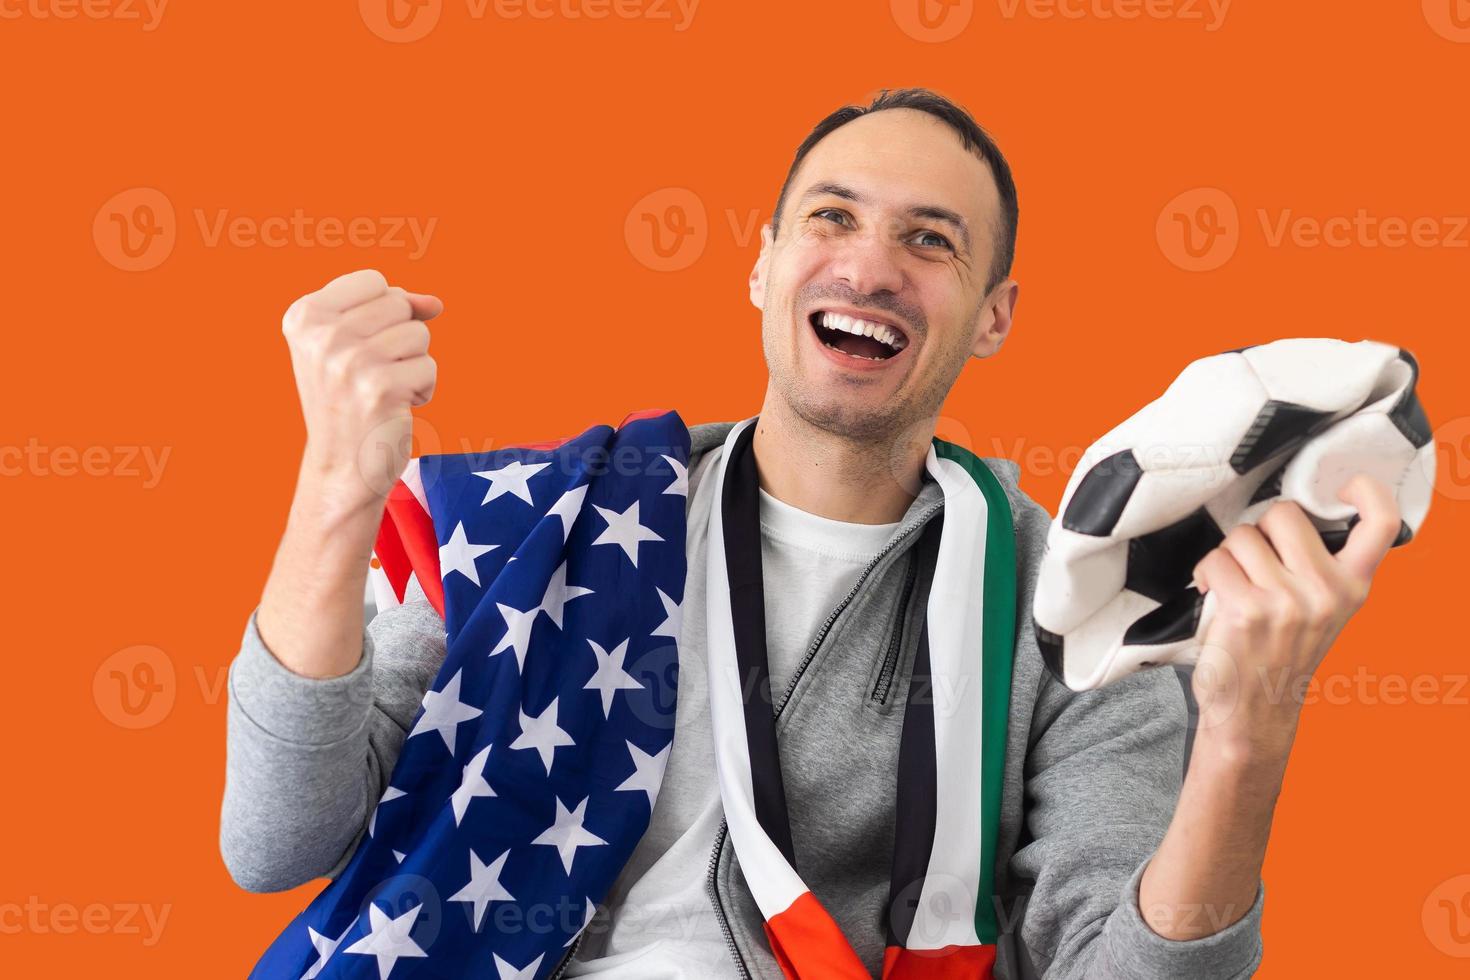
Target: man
column 885, row 269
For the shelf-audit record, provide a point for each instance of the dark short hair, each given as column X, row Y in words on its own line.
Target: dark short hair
column 974, row 138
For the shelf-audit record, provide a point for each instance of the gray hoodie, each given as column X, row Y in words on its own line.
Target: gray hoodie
column 1090, row 784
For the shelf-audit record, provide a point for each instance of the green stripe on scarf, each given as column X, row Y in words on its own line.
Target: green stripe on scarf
column 998, row 645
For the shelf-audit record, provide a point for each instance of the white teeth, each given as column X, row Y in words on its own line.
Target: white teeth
column 864, row 328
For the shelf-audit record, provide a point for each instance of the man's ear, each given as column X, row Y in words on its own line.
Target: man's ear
column 758, row 271
column 995, row 319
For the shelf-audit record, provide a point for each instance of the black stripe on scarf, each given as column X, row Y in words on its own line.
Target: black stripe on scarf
column 917, row 795
column 741, row 524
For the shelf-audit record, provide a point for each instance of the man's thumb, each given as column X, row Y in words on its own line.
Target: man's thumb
column 425, row 306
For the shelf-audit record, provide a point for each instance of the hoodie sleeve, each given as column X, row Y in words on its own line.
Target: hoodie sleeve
column 307, row 759
column 1103, row 776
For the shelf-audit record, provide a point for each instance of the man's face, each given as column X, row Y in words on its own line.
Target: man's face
column 890, row 221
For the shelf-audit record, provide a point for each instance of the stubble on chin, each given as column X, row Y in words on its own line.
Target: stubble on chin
column 844, row 408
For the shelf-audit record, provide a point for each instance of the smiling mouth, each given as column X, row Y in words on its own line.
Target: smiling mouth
column 856, row 337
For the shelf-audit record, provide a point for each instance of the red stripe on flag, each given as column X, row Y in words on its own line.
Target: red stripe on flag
column 947, row 963
column 647, row 413
column 406, row 541
column 392, row 559
column 809, row 946
column 407, row 545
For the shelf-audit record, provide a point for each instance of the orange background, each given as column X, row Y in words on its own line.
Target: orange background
column 531, row 141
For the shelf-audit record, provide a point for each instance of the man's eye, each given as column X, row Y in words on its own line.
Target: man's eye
column 939, row 240
column 839, row 215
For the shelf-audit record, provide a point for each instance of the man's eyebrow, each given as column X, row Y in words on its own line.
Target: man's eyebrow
column 936, row 213
column 933, row 212
column 829, row 189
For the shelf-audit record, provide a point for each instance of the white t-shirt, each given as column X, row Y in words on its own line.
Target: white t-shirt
column 663, row 926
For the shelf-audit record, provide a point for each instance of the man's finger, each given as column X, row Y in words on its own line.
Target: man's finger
column 345, row 292
column 1295, row 538
column 1219, row 571
column 1255, row 555
column 374, row 315
column 1377, row 527
column 425, row 306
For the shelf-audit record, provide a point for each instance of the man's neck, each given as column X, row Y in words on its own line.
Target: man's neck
column 834, row 477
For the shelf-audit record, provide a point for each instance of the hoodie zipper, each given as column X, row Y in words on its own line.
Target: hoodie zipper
column 566, row 958
column 714, row 861
column 895, row 640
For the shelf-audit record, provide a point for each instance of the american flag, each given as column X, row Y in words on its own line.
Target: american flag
column 534, row 762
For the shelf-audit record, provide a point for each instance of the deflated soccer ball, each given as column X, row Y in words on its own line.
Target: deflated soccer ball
column 1291, row 419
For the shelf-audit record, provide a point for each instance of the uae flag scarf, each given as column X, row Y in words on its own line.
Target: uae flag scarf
column 942, row 916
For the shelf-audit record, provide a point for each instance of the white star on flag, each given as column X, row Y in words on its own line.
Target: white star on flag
column 567, row 507
column 567, row 834
column 517, row 632
column 399, row 856
column 389, row 939
column 586, row 920
column 610, row 677
column 443, row 712
column 472, row 785
column 624, row 530
column 325, row 947
column 673, row 617
column 680, row 486
column 484, row 886
column 559, row 593
column 648, row 772
column 540, row 733
column 389, row 794
column 510, row 478
column 458, row 555
column 508, row 972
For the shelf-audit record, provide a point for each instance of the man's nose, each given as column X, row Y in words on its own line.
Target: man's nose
column 867, row 262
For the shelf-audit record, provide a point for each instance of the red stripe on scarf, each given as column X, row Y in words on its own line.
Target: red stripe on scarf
column 948, row 963
column 809, row 945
